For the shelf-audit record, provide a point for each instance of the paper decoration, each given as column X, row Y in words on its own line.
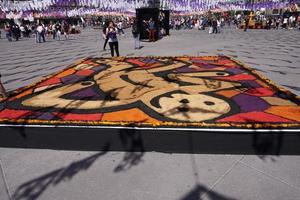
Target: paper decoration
column 90, row 7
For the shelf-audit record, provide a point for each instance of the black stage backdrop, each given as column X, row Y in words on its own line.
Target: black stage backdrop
column 144, row 14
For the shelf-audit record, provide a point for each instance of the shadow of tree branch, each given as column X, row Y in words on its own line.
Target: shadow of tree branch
column 34, row 188
column 199, row 191
column 133, row 145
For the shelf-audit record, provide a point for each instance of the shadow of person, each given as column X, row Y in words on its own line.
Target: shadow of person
column 34, row 188
column 267, row 144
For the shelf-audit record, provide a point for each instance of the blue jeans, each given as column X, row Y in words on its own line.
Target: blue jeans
column 40, row 36
column 36, row 37
column 58, row 35
column 8, row 36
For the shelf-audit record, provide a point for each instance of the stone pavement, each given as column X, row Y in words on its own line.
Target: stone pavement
column 51, row 174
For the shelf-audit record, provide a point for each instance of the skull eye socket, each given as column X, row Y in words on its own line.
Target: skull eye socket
column 209, row 103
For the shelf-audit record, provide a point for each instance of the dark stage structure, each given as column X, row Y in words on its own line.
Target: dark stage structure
column 160, row 17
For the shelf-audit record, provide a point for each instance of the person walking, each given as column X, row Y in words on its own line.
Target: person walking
column 136, row 34
column 112, row 39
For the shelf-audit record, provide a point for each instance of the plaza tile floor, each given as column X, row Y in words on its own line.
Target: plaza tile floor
column 51, row 174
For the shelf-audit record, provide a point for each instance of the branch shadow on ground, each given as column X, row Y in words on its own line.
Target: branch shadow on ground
column 199, row 191
column 133, row 145
column 34, row 188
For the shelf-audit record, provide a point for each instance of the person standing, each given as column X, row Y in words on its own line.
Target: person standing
column 22, row 29
column 120, row 28
column 215, row 26
column 66, row 30
column 285, row 23
column 27, row 31
column 269, row 24
column 219, row 25
column 151, row 29
column 298, row 20
column 246, row 23
column 73, row 29
column 53, row 31
column 222, row 22
column 16, row 32
column 136, row 34
column 8, row 32
column 112, row 39
column 277, row 23
column 104, row 34
column 58, row 30
column 44, row 32
column 39, row 31
column 294, row 22
column 291, row 21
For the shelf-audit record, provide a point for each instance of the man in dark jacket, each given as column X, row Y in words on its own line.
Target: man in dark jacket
column 16, row 32
column 215, row 26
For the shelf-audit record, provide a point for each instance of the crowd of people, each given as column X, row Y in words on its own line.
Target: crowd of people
column 40, row 31
column 214, row 24
column 113, row 27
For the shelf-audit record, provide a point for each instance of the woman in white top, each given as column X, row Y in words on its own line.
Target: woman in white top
column 111, row 33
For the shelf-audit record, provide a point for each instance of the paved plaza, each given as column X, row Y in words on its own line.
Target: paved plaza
column 52, row 174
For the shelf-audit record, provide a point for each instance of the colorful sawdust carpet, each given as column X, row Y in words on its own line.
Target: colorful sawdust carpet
column 179, row 92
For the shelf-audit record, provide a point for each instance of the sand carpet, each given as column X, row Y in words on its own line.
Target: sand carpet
column 177, row 92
